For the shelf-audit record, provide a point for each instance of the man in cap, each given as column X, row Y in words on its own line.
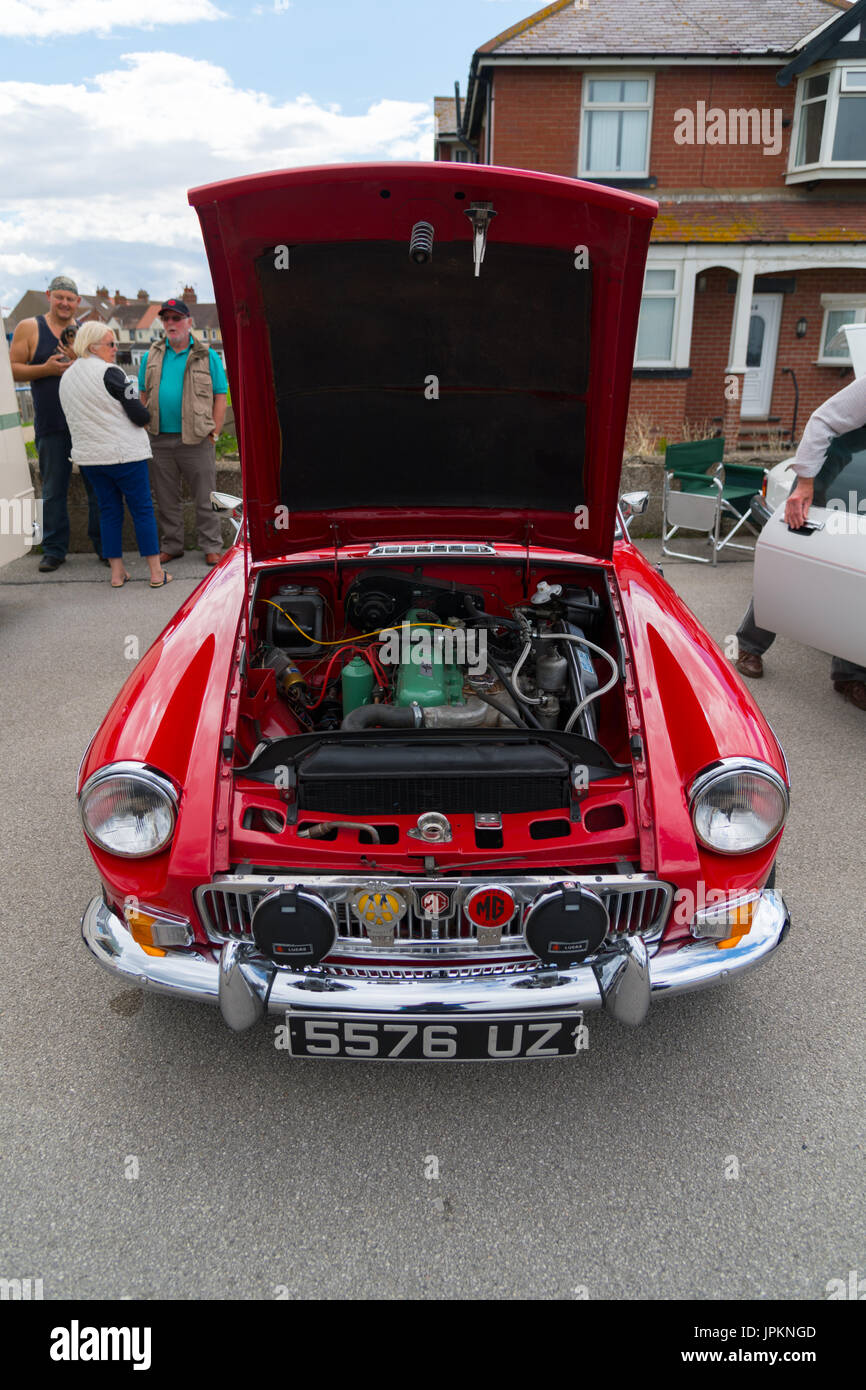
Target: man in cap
column 39, row 357
column 183, row 384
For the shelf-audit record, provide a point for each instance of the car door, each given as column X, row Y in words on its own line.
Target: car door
column 811, row 584
column 18, row 508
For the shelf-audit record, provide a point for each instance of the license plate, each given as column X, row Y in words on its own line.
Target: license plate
column 407, row 1039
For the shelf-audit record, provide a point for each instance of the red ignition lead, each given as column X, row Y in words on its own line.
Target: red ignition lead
column 363, row 651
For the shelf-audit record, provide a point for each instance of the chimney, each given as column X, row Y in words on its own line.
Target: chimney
column 188, row 295
column 101, row 292
column 143, row 295
column 119, row 298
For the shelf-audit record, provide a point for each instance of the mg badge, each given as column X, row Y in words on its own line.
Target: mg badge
column 435, row 903
column 489, row 908
column 379, row 909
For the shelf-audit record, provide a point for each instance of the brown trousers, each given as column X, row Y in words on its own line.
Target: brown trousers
column 173, row 460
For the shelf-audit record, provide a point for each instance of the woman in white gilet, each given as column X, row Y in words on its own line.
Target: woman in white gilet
column 111, row 447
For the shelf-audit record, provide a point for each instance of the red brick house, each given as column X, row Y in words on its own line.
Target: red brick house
column 747, row 122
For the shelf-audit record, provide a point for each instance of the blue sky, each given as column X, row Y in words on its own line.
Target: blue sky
column 107, row 124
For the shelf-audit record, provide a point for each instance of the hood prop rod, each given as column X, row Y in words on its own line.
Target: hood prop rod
column 337, row 592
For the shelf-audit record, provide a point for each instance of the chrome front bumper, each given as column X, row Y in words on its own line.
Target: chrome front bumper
column 621, row 980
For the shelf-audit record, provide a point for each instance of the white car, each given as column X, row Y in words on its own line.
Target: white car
column 19, row 509
column 811, row 584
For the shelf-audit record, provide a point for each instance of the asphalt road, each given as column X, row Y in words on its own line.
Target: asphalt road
column 258, row 1177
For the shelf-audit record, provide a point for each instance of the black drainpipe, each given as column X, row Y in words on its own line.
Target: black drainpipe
column 461, row 138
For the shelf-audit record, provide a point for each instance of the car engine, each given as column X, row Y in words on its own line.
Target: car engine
column 425, row 654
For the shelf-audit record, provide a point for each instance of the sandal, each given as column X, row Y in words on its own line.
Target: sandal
column 166, row 579
column 124, row 580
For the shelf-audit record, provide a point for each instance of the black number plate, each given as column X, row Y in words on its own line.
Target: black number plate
column 403, row 1039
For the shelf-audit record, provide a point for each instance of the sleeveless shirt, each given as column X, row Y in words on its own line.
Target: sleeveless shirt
column 48, row 417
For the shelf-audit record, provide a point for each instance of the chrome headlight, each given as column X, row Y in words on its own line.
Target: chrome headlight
column 129, row 809
column 737, row 805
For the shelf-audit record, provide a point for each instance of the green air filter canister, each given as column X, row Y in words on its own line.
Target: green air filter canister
column 357, row 682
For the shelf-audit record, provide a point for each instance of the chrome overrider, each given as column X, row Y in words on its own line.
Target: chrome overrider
column 621, row 978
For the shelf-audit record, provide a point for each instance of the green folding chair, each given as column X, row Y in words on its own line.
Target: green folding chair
column 708, row 490
column 697, row 504
column 739, row 484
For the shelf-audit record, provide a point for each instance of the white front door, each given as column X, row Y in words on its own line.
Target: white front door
column 761, row 356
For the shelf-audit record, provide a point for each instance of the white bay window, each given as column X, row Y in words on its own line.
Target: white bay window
column 829, row 137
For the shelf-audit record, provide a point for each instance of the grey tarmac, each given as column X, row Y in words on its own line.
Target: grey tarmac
column 262, row 1178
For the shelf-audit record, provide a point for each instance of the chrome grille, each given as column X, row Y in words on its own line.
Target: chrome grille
column 637, row 904
column 432, row 972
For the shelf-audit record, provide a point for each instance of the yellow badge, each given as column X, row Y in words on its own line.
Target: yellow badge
column 379, row 907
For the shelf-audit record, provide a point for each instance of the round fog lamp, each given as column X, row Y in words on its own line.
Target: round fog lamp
column 294, row 928
column 566, row 925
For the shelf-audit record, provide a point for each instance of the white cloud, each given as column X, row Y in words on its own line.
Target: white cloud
column 22, row 264
column 42, row 19
column 191, row 122
column 80, row 180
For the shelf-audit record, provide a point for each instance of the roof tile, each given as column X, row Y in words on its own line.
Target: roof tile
column 665, row 26
column 760, row 222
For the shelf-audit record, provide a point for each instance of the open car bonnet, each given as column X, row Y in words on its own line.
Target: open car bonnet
column 427, row 351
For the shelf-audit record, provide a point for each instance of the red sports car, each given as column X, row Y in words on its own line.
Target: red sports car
column 434, row 762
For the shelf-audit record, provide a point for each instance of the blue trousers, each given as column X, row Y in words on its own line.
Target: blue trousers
column 112, row 482
column 55, row 470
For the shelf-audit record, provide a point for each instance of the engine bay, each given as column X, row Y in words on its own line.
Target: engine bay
column 407, row 649
column 482, row 700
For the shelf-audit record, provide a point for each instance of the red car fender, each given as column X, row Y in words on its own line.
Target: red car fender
column 171, row 714
column 695, row 709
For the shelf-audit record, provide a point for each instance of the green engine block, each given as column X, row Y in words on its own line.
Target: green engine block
column 425, row 675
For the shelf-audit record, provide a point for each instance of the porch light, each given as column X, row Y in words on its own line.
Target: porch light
column 802, row 325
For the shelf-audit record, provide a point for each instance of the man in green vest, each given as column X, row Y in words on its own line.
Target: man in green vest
column 183, row 384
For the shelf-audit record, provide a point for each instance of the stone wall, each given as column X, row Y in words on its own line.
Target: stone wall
column 228, row 480
column 640, row 473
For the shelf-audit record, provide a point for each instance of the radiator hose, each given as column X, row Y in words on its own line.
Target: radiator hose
column 383, row 717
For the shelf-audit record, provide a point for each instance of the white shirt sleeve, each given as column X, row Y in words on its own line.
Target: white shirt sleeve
column 843, row 412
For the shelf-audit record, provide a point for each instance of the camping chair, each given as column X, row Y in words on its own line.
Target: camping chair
column 704, row 497
column 697, row 506
column 740, row 483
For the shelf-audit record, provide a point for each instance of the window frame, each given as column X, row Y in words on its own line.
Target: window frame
column 587, row 107
column 829, row 304
column 825, row 166
column 642, row 363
